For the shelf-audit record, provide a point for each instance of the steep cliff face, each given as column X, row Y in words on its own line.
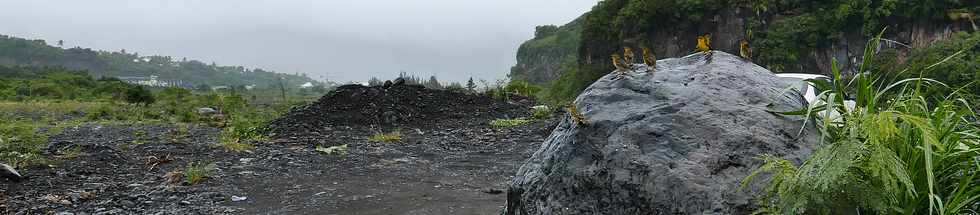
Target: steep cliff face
column 541, row 60
column 782, row 42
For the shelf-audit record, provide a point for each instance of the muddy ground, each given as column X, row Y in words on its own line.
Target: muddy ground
column 459, row 166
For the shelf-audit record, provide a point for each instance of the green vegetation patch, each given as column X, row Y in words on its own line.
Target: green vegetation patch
column 507, row 123
column 899, row 150
column 196, row 173
column 21, row 143
column 386, row 137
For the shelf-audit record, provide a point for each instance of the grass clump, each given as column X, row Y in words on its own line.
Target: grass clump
column 234, row 144
column 21, row 143
column 507, row 123
column 542, row 112
column 195, row 173
column 340, row 150
column 898, row 151
column 386, row 137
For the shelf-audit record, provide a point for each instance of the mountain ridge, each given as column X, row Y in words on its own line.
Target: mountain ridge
column 16, row 51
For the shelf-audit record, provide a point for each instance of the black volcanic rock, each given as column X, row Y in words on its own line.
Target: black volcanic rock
column 400, row 106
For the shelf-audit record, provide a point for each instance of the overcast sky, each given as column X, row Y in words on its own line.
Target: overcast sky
column 350, row 40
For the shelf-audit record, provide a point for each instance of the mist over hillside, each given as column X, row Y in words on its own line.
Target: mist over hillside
column 38, row 53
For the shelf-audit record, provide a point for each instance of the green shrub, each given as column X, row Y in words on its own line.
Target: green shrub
column 196, row 173
column 897, row 151
column 139, row 95
column 961, row 71
column 522, row 88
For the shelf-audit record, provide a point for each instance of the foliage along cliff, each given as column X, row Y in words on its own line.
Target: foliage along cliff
column 554, row 49
column 786, row 35
column 37, row 53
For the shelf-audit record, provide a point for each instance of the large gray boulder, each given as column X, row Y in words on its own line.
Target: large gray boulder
column 676, row 141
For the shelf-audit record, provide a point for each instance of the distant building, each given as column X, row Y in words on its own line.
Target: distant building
column 220, row 88
column 306, row 85
column 151, row 81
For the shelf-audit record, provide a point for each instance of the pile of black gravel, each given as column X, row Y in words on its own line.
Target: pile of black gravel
column 400, row 106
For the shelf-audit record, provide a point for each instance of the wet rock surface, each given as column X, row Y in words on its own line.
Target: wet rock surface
column 678, row 140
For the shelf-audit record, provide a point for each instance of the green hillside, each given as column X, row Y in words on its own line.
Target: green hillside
column 786, row 35
column 552, row 50
column 37, row 53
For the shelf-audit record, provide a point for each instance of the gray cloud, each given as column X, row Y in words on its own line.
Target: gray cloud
column 341, row 40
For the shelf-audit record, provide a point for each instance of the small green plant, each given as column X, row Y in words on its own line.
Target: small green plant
column 229, row 141
column 507, row 123
column 242, row 129
column 179, row 133
column 340, row 150
column 386, row 137
column 542, row 112
column 70, row 153
column 139, row 137
column 195, row 173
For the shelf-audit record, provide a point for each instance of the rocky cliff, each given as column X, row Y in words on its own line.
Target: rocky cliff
column 786, row 36
column 552, row 50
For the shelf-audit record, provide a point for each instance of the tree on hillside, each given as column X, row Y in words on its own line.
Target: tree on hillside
column 545, row 30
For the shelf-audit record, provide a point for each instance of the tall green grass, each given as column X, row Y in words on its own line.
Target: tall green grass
column 898, row 151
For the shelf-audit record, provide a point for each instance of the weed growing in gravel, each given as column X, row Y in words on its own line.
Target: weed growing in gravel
column 507, row 123
column 386, row 137
column 21, row 143
column 542, row 112
column 244, row 128
column 174, row 177
column 179, row 133
column 340, row 150
column 70, row 153
column 195, row 173
column 232, row 143
column 139, row 137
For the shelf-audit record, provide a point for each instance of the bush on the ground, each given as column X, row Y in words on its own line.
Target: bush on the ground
column 899, row 150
